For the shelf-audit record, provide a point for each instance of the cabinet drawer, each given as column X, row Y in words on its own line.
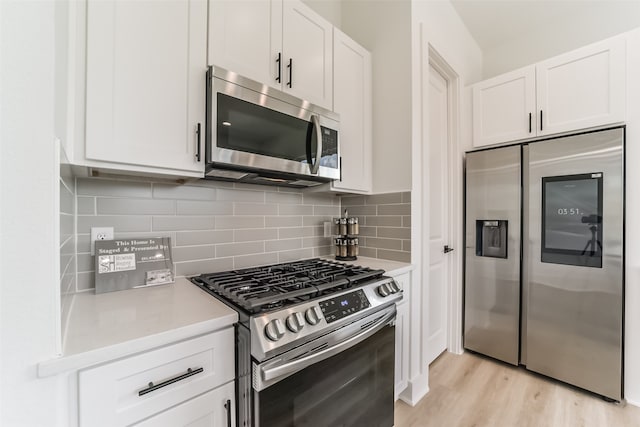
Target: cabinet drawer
column 207, row 410
column 120, row 393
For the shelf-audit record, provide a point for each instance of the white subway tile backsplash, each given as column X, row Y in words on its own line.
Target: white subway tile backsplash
column 183, row 192
column 113, row 206
column 286, row 256
column 216, row 226
column 283, row 221
column 234, row 222
column 187, row 238
column 246, row 261
column 234, row 249
column 255, row 209
column 288, row 233
column 250, row 235
column 190, row 207
column 295, row 210
column 183, row 223
column 282, row 245
column 191, row 268
column 86, row 205
column 190, row 253
column 119, row 223
column 234, row 195
column 100, row 187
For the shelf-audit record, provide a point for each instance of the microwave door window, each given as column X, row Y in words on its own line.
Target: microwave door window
column 243, row 126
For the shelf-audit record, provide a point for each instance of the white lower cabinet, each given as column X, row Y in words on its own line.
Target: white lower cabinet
column 215, row 408
column 402, row 335
column 130, row 390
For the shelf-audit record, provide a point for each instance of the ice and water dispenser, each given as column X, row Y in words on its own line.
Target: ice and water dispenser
column 491, row 238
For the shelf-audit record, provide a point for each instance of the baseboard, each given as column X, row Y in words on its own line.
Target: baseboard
column 417, row 388
column 629, row 402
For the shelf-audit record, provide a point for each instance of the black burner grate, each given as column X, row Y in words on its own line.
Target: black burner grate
column 266, row 288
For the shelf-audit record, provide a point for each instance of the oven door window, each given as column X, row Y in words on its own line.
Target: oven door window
column 572, row 220
column 352, row 388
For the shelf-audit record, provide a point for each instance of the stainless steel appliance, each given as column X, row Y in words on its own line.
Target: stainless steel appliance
column 258, row 134
column 314, row 343
column 544, row 258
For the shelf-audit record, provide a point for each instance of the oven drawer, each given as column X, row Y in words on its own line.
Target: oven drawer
column 129, row 390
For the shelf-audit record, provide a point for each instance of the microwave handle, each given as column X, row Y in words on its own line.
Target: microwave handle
column 316, row 124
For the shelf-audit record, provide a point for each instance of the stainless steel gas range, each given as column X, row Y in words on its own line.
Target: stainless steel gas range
column 314, row 343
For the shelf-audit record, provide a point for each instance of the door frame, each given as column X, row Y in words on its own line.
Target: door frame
column 455, row 202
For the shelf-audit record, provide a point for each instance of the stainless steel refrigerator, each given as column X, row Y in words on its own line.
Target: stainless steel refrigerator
column 544, row 257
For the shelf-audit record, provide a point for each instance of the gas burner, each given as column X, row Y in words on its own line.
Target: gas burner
column 260, row 289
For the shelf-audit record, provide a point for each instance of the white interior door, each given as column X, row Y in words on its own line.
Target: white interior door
column 439, row 214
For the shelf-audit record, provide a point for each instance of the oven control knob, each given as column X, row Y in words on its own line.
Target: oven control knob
column 384, row 290
column 274, row 330
column 313, row 315
column 394, row 287
column 295, row 322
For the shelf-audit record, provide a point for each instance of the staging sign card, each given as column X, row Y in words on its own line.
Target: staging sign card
column 133, row 263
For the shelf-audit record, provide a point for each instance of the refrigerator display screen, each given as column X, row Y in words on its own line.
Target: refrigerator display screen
column 572, row 219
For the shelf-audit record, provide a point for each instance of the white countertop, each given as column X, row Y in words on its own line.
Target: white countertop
column 108, row 326
column 391, row 268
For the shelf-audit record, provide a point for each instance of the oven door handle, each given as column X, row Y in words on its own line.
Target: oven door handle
column 288, row 368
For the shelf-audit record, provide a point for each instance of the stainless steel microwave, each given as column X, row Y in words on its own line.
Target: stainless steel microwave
column 257, row 134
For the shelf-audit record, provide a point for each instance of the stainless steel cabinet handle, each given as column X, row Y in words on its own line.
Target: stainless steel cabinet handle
column 303, row 362
column 279, row 62
column 153, row 387
column 198, row 132
column 227, row 406
column 316, row 124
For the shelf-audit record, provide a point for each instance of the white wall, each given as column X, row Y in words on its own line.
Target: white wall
column 632, row 285
column 598, row 21
column 384, row 28
column 29, row 176
column 331, row 10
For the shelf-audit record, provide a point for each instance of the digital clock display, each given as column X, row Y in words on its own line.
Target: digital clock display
column 572, row 216
column 344, row 305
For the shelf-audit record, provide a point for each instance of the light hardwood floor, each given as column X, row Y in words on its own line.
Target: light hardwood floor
column 473, row 391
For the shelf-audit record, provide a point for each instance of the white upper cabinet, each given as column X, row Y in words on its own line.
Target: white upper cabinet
column 245, row 37
column 281, row 43
column 580, row 89
column 146, row 65
column 504, row 107
column 352, row 101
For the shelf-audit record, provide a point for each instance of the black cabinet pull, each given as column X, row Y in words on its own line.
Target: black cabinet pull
column 279, row 62
column 227, row 406
column 290, row 67
column 529, row 122
column 540, row 119
column 153, row 387
column 340, row 168
column 198, row 132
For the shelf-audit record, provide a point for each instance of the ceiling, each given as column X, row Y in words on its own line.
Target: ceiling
column 492, row 22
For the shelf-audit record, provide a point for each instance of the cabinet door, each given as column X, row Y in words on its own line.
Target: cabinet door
column 583, row 88
column 307, row 47
column 246, row 37
column 504, row 108
column 146, row 65
column 352, row 101
column 403, row 346
column 212, row 409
